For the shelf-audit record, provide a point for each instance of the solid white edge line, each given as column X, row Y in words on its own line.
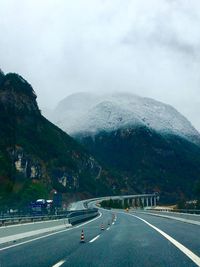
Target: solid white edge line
column 59, row 263
column 41, row 237
column 95, row 238
column 181, row 247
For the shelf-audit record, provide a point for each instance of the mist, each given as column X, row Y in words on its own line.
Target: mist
column 149, row 48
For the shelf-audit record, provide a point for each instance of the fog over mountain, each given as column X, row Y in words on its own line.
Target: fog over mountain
column 89, row 114
column 149, row 143
column 150, row 48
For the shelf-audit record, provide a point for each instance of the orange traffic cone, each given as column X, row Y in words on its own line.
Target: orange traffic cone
column 102, row 227
column 82, row 237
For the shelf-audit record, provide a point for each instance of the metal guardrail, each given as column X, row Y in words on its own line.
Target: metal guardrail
column 189, row 211
column 186, row 211
column 72, row 216
column 29, row 214
column 26, row 219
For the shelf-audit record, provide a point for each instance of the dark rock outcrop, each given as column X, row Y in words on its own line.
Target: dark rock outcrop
column 36, row 157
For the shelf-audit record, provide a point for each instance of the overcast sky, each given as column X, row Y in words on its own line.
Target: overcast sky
column 148, row 47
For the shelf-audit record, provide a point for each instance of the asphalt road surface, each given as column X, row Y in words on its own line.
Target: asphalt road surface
column 133, row 239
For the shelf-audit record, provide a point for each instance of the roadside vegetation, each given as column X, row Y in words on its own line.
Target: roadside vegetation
column 114, row 204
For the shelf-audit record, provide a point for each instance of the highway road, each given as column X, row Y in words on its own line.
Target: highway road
column 132, row 240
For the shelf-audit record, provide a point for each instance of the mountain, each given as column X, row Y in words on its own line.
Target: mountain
column 150, row 144
column 1, row 76
column 36, row 157
column 90, row 113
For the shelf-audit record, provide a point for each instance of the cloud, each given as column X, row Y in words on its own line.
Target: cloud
column 149, row 48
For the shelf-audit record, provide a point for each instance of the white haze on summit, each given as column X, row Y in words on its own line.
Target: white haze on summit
column 147, row 47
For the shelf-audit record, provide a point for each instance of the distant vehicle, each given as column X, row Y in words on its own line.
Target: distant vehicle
column 49, row 203
column 41, row 201
column 39, row 207
column 42, row 206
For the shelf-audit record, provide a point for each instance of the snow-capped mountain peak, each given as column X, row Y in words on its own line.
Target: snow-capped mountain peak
column 89, row 113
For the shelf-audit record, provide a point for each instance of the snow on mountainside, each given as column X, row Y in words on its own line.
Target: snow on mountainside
column 87, row 113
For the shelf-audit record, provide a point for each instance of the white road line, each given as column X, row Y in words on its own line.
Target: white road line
column 95, row 238
column 108, row 228
column 113, row 223
column 181, row 247
column 41, row 237
column 59, row 263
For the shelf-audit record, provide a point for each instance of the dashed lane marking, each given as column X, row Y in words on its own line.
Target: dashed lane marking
column 94, row 239
column 59, row 263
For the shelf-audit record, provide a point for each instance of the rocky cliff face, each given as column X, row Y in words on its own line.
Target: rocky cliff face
column 17, row 95
column 36, row 157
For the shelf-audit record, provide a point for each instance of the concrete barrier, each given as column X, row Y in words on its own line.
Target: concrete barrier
column 25, row 219
column 82, row 215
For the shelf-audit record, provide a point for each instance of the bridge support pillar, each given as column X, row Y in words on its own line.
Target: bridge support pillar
column 138, row 202
column 122, row 202
column 147, row 202
column 151, row 201
column 133, row 202
column 142, row 199
column 154, row 201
